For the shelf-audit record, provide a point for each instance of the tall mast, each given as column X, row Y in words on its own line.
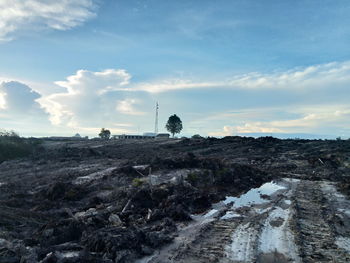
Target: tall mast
column 156, row 123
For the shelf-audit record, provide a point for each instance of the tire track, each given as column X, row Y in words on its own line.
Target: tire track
column 317, row 239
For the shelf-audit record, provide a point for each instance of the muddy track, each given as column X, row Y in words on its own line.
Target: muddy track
column 316, row 236
column 290, row 226
column 209, row 246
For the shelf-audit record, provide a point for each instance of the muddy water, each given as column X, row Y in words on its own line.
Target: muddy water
column 255, row 195
column 265, row 234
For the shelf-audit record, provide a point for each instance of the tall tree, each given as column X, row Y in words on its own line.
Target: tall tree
column 174, row 124
column 104, row 134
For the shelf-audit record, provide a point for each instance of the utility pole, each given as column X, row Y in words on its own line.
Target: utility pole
column 156, row 122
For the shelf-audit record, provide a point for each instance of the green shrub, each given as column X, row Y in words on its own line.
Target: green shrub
column 12, row 146
column 137, row 182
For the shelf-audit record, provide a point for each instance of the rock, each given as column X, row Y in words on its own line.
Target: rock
column 115, row 220
column 87, row 213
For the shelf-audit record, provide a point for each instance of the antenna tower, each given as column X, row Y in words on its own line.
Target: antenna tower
column 156, row 123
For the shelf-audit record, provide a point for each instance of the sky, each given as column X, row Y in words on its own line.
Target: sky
column 225, row 67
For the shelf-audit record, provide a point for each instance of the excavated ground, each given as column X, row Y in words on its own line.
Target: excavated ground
column 183, row 200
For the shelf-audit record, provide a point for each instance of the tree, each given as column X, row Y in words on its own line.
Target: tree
column 197, row 136
column 104, row 134
column 174, row 124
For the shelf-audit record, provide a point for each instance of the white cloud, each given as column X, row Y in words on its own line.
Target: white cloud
column 2, row 101
column 89, row 97
column 313, row 77
column 85, row 81
column 317, row 120
column 28, row 15
column 173, row 84
column 123, row 125
column 126, row 107
column 19, row 109
column 256, row 127
column 16, row 97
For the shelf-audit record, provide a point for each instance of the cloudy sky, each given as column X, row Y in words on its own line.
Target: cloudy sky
column 224, row 67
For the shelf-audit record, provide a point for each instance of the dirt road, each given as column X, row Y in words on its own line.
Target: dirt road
column 288, row 220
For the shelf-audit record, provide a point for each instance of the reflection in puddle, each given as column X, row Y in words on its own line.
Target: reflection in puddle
column 253, row 196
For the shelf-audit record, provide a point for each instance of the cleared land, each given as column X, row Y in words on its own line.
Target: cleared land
column 206, row 200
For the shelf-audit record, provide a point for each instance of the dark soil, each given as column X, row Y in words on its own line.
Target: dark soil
column 48, row 215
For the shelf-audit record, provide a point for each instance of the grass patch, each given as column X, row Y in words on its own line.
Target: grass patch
column 137, row 182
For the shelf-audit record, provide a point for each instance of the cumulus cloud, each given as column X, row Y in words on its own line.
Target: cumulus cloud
column 16, row 97
column 23, row 15
column 90, row 97
column 19, row 109
column 313, row 77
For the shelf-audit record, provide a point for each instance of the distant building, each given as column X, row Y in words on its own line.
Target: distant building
column 60, row 138
column 132, row 136
column 152, row 134
column 145, row 136
column 163, row 136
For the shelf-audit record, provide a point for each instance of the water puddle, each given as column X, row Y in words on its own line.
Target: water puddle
column 230, row 215
column 254, row 196
column 211, row 213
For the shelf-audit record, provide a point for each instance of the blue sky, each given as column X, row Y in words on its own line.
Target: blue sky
column 225, row 67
